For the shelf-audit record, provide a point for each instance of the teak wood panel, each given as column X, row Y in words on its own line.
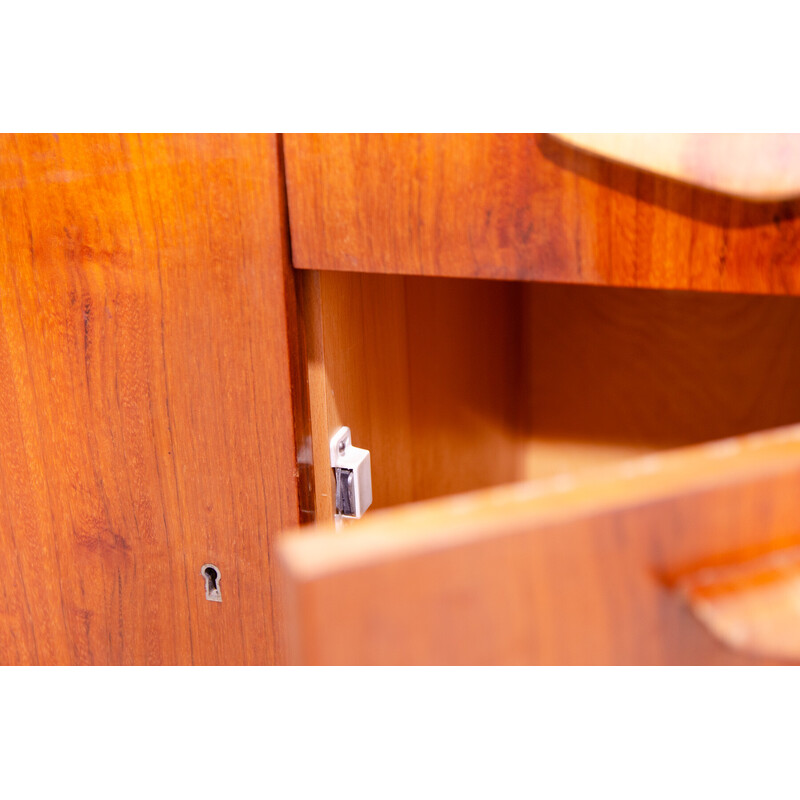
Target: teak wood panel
column 656, row 369
column 525, row 206
column 583, row 569
column 147, row 428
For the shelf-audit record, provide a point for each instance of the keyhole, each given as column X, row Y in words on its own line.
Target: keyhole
column 211, row 576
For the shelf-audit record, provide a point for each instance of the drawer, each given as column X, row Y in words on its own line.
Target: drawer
column 561, row 474
column 535, row 207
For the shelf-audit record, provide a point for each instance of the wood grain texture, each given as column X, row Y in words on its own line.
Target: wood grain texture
column 148, row 425
column 581, row 569
column 658, row 370
column 756, row 166
column 528, row 207
column 752, row 607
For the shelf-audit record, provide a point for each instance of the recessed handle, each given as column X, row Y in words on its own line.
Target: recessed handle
column 754, row 166
column 752, row 607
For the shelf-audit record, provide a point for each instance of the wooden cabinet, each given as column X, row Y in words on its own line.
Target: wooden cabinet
column 567, row 466
column 561, row 474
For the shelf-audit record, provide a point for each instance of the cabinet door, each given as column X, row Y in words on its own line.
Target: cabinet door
column 147, row 425
column 532, row 207
column 612, row 566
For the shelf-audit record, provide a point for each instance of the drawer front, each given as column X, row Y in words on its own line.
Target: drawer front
column 591, row 569
column 529, row 207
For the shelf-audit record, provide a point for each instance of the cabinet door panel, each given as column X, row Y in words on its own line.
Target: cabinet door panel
column 588, row 568
column 147, row 424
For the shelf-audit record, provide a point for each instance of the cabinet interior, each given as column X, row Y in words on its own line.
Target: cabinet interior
column 457, row 384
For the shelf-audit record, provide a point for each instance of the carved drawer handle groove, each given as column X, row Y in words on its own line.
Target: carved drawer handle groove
column 752, row 607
